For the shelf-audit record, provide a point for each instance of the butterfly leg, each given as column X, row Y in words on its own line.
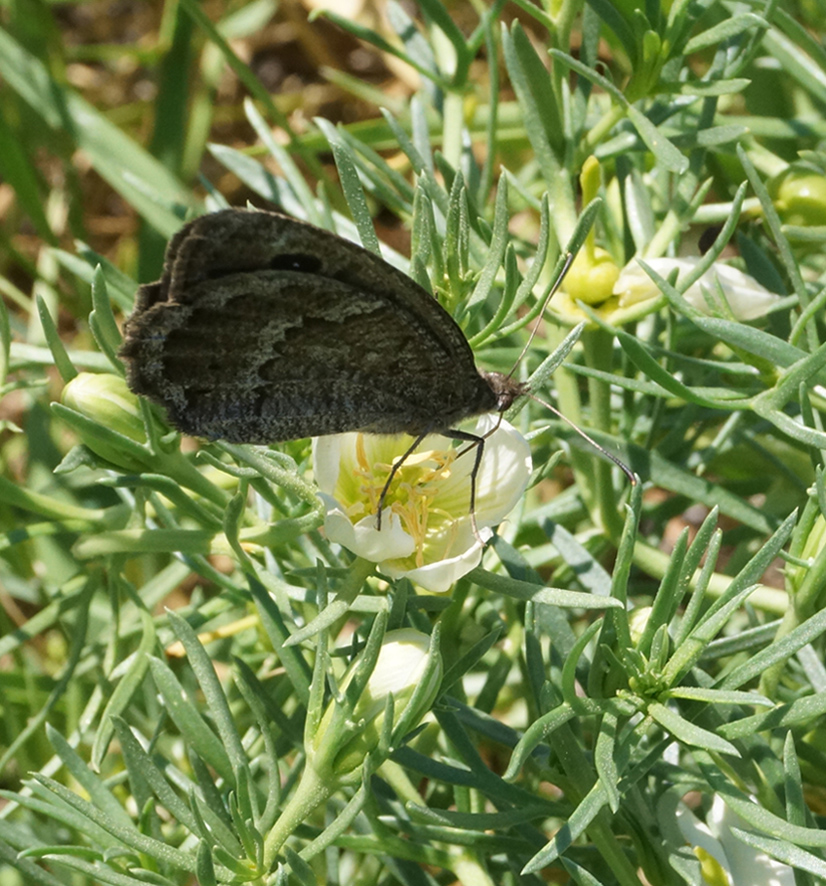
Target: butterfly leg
column 396, row 465
column 479, row 443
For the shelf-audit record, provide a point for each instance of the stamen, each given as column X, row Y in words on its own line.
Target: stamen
column 416, row 486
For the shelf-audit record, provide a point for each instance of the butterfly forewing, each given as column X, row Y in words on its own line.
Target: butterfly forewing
column 264, row 329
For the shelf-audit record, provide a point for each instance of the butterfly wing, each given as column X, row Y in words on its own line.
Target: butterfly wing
column 264, row 329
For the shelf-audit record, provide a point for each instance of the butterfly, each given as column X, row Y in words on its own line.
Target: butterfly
column 265, row 329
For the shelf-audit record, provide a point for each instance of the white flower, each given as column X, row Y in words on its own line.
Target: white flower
column 746, row 298
column 725, row 859
column 426, row 531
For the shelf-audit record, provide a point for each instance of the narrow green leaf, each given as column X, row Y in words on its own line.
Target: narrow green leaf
column 253, row 174
column 19, row 171
column 726, row 30
column 779, row 651
column 351, row 185
column 122, row 162
column 61, row 358
column 796, row 64
column 755, row 815
column 140, row 764
column 523, row 590
column 783, row 850
column 214, row 694
column 298, row 671
column 185, row 716
column 532, row 84
column 605, row 762
column 83, row 265
column 99, row 873
column 125, row 689
column 204, row 869
column 91, row 429
column 5, row 341
column 713, row 88
column 580, row 875
column 102, row 321
column 665, row 153
column 717, row 696
column 576, row 825
column 785, row 716
column 690, row 733
column 126, row 835
column 28, row 870
column 360, row 32
column 437, row 12
column 497, row 246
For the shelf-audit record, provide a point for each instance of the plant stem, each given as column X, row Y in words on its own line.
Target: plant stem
column 598, row 349
column 311, row 792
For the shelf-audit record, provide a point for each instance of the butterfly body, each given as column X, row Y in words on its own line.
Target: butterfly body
column 265, row 329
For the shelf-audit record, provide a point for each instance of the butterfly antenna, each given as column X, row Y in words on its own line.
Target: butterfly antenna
column 632, row 479
column 569, row 258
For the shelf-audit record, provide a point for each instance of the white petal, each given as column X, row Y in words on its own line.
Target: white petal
column 502, row 479
column 746, row 298
column 448, row 548
column 697, row 833
column 400, row 664
column 748, row 865
column 440, row 576
column 504, row 473
column 362, row 538
column 327, row 460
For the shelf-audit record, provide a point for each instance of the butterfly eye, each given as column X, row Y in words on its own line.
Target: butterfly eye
column 306, row 264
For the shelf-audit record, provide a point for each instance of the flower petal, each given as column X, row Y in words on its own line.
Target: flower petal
column 363, row 538
column 746, row 298
column 439, row 576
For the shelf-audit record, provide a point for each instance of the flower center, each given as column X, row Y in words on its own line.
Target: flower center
column 412, row 494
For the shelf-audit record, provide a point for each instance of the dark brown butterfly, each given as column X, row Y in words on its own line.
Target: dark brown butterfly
column 264, row 329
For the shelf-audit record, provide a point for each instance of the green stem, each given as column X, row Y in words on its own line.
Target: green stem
column 805, row 601
column 563, row 17
column 454, row 116
column 45, row 506
column 597, row 133
column 655, row 563
column 311, row 792
column 567, row 390
column 582, row 777
column 176, row 466
column 598, row 351
column 289, row 480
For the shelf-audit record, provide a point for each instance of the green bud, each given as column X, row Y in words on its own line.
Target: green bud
column 591, row 277
column 799, row 197
column 404, row 669
column 106, row 400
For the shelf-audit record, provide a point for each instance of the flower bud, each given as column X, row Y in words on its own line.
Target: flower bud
column 405, row 669
column 105, row 399
column 591, row 277
column 799, row 197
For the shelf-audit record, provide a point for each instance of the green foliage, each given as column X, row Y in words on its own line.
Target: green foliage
column 613, row 653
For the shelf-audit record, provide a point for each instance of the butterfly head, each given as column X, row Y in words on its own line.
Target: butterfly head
column 505, row 389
